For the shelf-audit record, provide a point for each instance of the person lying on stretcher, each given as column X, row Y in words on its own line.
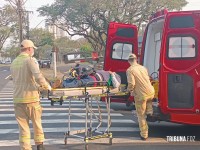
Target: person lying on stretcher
column 90, row 77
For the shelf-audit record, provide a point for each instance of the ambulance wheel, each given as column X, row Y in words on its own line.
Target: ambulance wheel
column 52, row 103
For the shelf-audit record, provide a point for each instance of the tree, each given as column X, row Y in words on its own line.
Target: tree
column 8, row 23
column 90, row 18
column 43, row 40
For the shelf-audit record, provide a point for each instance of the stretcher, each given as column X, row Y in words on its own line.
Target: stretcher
column 88, row 95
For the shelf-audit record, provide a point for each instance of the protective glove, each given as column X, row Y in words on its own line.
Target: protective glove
column 49, row 87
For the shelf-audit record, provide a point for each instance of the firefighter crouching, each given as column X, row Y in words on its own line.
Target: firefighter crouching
column 27, row 79
column 140, row 87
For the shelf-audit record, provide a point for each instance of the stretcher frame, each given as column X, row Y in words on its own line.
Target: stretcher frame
column 87, row 94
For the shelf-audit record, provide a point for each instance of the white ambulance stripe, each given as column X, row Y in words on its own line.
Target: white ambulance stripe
column 56, row 130
column 50, row 121
column 62, row 114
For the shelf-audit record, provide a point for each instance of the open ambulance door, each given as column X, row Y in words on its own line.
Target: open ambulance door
column 179, row 92
column 122, row 40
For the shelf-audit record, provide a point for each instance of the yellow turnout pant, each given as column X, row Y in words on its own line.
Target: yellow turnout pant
column 143, row 107
column 23, row 113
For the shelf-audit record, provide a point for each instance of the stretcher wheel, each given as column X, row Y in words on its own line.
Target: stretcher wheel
column 61, row 102
column 52, row 103
column 86, row 147
column 110, row 141
column 90, row 131
column 65, row 141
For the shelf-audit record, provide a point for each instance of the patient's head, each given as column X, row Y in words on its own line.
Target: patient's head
column 87, row 71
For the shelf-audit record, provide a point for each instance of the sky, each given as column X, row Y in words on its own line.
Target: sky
column 38, row 21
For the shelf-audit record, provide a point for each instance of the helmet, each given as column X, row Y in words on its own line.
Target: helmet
column 73, row 73
column 132, row 56
column 87, row 70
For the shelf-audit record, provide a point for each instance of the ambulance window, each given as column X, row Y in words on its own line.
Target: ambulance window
column 182, row 22
column 181, row 47
column 121, row 51
column 125, row 32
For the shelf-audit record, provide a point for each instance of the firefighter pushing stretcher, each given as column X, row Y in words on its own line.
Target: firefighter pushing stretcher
column 27, row 80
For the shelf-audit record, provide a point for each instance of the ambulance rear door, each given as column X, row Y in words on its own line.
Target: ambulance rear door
column 122, row 40
column 180, row 59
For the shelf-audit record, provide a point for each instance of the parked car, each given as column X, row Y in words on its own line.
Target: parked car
column 45, row 63
column 8, row 62
column 2, row 62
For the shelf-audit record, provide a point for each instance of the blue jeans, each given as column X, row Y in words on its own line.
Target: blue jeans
column 73, row 82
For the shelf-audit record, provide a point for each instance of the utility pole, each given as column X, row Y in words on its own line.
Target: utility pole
column 27, row 24
column 54, row 51
column 19, row 10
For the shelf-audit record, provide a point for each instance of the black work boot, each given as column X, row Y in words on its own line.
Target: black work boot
column 143, row 139
column 40, row 147
column 151, row 118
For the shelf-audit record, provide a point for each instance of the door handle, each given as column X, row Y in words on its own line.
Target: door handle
column 178, row 79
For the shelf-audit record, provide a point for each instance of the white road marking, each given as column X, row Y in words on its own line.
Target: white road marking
column 56, row 130
column 51, row 121
column 62, row 114
column 7, row 101
column 44, row 105
column 58, row 141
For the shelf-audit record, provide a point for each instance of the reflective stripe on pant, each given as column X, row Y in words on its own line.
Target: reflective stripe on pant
column 23, row 113
column 143, row 107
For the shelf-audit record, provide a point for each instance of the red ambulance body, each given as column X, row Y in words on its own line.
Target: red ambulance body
column 170, row 52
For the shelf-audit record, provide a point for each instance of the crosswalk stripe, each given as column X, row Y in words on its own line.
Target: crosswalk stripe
column 60, row 141
column 7, row 89
column 56, row 130
column 63, row 114
column 78, row 109
column 6, row 98
column 48, row 109
column 47, row 101
column 6, row 93
column 73, row 105
column 51, row 121
column 55, row 109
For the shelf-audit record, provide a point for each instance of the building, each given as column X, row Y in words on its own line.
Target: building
column 58, row 33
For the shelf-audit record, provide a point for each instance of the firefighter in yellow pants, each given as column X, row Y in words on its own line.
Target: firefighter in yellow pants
column 140, row 87
column 27, row 80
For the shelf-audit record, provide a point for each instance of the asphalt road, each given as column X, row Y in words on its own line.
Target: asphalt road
column 124, row 126
column 4, row 72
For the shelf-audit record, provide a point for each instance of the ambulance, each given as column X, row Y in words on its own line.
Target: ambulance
column 170, row 52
